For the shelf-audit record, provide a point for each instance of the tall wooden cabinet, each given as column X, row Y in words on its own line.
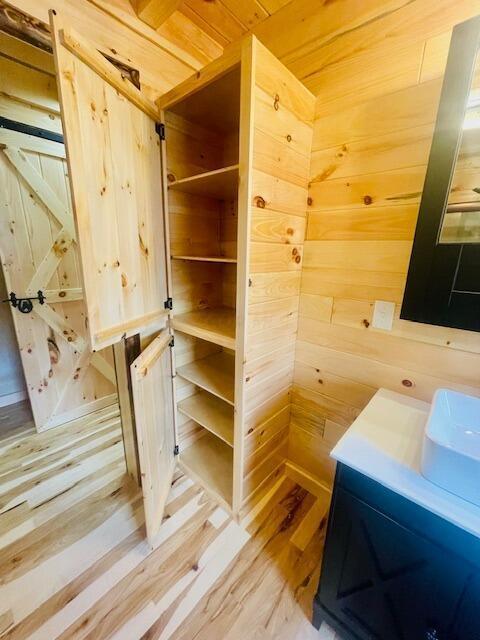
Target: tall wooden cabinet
column 190, row 220
column 238, row 141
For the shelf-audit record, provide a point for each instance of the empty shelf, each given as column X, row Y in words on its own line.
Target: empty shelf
column 210, row 462
column 210, row 412
column 206, row 259
column 221, row 183
column 215, row 374
column 216, row 325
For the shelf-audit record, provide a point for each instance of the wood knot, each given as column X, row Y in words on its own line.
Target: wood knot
column 309, row 201
column 289, row 138
column 62, row 294
column 259, row 202
column 298, row 259
column 407, row 383
column 250, row 282
column 365, row 323
column 276, row 102
column 124, row 280
column 367, row 200
column 170, row 177
column 290, row 231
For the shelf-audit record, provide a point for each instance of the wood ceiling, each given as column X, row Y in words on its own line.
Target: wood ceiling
column 203, row 28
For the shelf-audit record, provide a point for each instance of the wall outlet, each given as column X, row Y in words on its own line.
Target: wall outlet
column 383, row 313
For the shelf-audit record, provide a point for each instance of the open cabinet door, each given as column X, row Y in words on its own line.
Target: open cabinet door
column 151, row 375
column 114, row 161
column 113, row 153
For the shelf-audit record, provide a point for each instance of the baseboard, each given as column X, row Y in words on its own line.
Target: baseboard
column 12, row 398
column 307, row 480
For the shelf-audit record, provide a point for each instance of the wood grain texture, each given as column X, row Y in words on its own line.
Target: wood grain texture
column 64, row 379
column 207, row 579
column 372, row 136
column 122, row 247
column 282, row 117
column 153, row 400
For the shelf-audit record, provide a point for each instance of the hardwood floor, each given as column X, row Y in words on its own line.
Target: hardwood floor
column 74, row 562
column 15, row 416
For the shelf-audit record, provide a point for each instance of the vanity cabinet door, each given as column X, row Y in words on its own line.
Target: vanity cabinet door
column 383, row 581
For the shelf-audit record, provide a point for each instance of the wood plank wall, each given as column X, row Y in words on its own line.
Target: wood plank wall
column 161, row 63
column 378, row 85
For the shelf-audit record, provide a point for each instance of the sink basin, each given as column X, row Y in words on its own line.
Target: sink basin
column 451, row 447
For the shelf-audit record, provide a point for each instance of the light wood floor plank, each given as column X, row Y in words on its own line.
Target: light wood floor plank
column 75, row 565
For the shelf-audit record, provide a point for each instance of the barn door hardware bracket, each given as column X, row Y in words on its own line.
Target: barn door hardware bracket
column 24, row 305
column 160, row 129
column 168, row 304
column 176, row 450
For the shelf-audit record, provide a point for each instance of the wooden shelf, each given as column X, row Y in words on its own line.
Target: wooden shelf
column 221, row 183
column 206, row 259
column 209, row 461
column 210, row 412
column 216, row 325
column 215, row 374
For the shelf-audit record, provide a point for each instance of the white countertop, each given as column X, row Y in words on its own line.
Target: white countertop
column 385, row 444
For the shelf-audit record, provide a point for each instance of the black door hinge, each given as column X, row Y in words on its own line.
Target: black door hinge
column 168, row 304
column 176, row 450
column 25, row 305
column 160, row 129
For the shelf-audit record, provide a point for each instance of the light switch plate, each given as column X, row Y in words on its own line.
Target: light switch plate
column 383, row 313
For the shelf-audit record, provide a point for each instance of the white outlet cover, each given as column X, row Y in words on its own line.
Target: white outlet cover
column 383, row 313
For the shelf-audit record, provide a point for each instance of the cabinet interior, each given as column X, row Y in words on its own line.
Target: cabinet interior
column 202, row 172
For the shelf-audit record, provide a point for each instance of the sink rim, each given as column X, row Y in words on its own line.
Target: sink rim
column 433, row 438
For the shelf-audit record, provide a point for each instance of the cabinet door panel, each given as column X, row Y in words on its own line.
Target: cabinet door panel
column 113, row 153
column 152, row 387
column 384, row 581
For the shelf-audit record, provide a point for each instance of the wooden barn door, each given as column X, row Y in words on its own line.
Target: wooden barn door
column 64, row 378
column 113, row 150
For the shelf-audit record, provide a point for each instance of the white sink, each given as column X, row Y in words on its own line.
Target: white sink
column 451, row 447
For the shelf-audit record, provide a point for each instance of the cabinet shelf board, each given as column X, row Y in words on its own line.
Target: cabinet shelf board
column 215, row 374
column 210, row 412
column 209, row 461
column 215, row 325
column 221, row 183
column 206, row 259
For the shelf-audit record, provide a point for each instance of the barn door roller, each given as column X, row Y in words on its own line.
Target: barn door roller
column 24, row 305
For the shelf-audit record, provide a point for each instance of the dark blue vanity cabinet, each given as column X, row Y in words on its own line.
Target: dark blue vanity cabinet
column 394, row 571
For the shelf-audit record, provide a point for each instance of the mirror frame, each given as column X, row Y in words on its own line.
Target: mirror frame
column 430, row 294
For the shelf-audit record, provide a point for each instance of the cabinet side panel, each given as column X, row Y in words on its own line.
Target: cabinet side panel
column 282, row 133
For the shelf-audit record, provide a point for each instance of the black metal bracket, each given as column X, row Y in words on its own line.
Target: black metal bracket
column 168, row 304
column 160, row 129
column 24, row 305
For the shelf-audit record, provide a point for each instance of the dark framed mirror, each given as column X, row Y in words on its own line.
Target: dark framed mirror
column 443, row 283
